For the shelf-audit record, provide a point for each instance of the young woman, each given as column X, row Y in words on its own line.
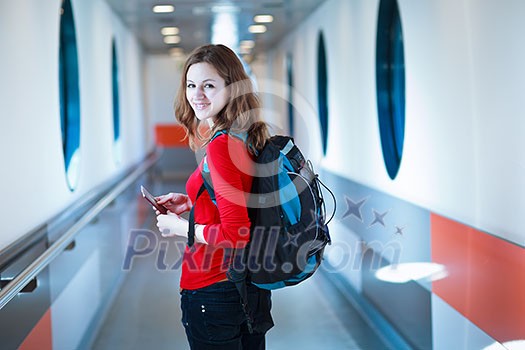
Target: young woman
column 216, row 89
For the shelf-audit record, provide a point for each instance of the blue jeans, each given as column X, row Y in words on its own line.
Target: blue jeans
column 213, row 317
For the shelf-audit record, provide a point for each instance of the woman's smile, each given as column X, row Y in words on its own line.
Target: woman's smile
column 200, row 106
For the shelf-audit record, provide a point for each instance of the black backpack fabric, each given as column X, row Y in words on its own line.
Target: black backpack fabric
column 289, row 229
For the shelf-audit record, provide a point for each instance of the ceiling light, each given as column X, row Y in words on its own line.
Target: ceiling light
column 257, row 28
column 199, row 10
column 163, row 8
column 199, row 35
column 244, row 50
column 172, row 39
column 249, row 44
column 263, row 19
column 176, row 52
column 169, row 31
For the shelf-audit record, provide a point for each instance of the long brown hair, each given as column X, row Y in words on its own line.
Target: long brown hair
column 241, row 114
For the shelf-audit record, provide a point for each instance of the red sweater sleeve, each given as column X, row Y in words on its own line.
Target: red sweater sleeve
column 229, row 164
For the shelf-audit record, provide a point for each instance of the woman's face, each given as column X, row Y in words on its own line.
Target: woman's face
column 205, row 91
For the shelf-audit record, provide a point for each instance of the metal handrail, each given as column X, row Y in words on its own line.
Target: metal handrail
column 31, row 271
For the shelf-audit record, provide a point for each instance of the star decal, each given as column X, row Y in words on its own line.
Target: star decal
column 378, row 218
column 354, row 208
column 399, row 230
column 320, row 234
column 292, row 239
column 313, row 221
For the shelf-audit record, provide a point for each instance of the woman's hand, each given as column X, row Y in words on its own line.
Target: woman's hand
column 172, row 225
column 177, row 203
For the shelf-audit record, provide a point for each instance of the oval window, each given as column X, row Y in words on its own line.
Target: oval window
column 390, row 80
column 69, row 94
column 116, row 103
column 289, row 77
column 322, row 90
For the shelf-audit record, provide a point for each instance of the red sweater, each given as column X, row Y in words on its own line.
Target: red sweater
column 227, row 222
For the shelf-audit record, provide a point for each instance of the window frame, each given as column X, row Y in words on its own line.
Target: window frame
column 390, row 84
column 322, row 90
column 115, row 93
column 290, row 105
column 69, row 94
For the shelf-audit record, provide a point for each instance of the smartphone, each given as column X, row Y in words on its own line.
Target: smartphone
column 149, row 197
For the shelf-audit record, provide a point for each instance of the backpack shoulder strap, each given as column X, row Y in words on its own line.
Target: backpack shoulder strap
column 218, row 133
column 206, row 186
column 206, row 176
column 191, row 219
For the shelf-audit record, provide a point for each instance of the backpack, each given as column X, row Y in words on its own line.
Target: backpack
column 286, row 207
column 289, row 230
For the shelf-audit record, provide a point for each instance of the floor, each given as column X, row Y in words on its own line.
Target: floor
column 146, row 313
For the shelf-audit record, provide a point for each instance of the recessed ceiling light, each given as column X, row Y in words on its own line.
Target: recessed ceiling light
column 176, row 52
column 257, row 28
column 169, row 31
column 199, row 35
column 243, row 50
column 249, row 44
column 199, row 10
column 163, row 8
column 172, row 39
column 263, row 19
column 247, row 58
